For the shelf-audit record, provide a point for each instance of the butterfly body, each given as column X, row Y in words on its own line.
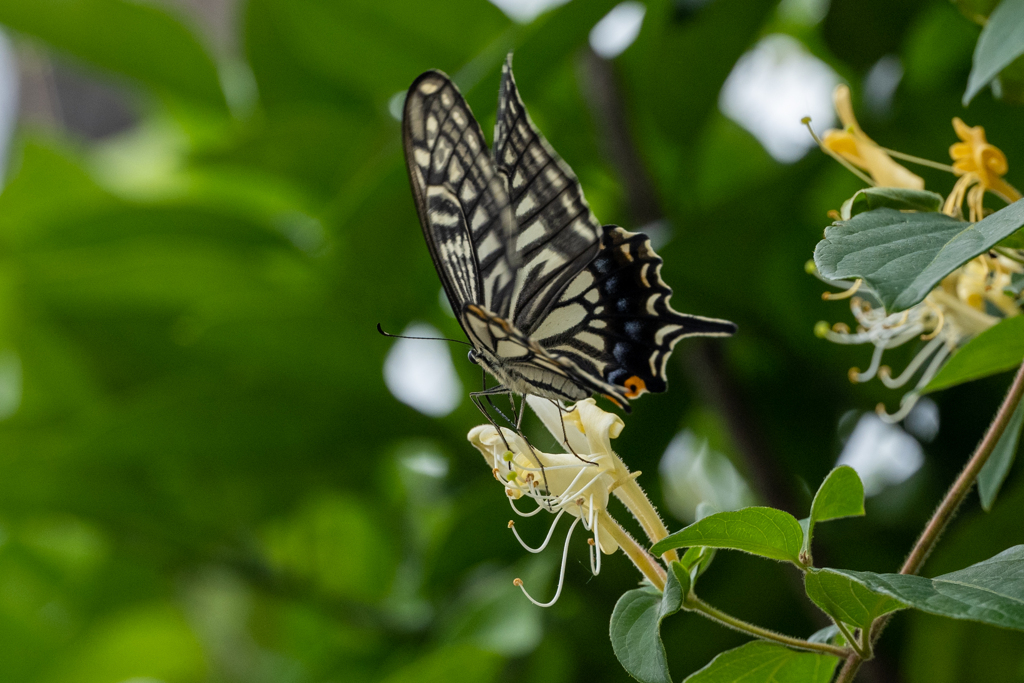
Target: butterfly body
column 555, row 304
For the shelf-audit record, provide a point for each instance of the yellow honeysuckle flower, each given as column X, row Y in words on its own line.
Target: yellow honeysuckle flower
column 854, row 146
column 968, row 301
column 579, row 483
column 981, row 167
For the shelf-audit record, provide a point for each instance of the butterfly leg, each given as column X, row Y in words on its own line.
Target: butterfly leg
column 565, row 436
column 478, row 398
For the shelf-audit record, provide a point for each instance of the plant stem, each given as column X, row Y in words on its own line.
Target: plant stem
column 849, row 638
column 947, row 508
column 692, row 602
column 637, row 502
column 643, row 561
column 962, row 486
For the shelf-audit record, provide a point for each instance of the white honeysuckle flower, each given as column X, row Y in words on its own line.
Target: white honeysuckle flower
column 578, row 483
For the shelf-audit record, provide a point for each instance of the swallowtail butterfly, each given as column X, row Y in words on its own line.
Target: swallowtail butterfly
column 554, row 303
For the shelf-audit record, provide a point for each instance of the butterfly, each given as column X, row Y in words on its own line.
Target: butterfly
column 554, row 304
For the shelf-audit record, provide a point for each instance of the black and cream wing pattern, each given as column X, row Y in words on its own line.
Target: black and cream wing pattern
column 555, row 304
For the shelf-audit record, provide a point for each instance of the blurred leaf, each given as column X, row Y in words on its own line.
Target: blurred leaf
column 993, row 474
column 976, row 10
column 636, row 629
column 334, row 544
column 450, row 663
column 840, row 495
column 846, row 600
column 761, row 662
column 1000, row 43
column 152, row 641
column 991, row 591
column 997, row 349
column 902, row 256
column 901, row 199
column 938, row 49
column 135, row 39
column 363, row 52
column 761, row 531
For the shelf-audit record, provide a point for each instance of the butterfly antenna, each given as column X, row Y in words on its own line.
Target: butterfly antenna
column 400, row 336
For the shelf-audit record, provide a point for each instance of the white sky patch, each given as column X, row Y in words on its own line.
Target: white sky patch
column 427, row 463
column 692, row 474
column 618, row 29
column 923, row 420
column 421, row 374
column 772, row 87
column 883, row 454
column 880, row 84
column 8, row 100
column 525, row 11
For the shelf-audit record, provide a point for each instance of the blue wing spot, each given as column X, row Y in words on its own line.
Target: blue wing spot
column 622, row 305
column 633, row 329
column 620, row 352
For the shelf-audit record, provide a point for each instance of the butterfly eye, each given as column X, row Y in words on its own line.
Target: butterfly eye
column 472, row 357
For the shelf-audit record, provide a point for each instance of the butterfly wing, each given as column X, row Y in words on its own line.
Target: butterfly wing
column 555, row 235
column 462, row 202
column 614, row 323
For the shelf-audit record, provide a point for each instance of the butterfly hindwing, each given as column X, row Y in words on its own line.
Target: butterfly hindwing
column 555, row 234
column 614, row 321
column 462, row 204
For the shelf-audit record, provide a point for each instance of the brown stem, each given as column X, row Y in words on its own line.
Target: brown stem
column 947, row 508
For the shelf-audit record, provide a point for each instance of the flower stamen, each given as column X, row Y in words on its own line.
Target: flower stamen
column 561, row 572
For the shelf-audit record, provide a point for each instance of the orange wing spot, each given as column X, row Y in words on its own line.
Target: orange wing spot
column 612, row 399
column 636, row 386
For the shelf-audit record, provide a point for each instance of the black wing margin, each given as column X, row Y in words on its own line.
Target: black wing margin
column 555, row 234
column 462, row 203
column 614, row 322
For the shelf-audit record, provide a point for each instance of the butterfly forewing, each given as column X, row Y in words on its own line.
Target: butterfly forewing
column 462, row 203
column 555, row 234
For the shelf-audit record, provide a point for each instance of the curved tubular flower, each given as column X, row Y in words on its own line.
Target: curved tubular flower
column 981, row 167
column 968, row 301
column 579, row 483
column 854, row 146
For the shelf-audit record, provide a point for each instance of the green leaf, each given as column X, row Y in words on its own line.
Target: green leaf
column 759, row 530
column 636, row 629
column 696, row 561
column 903, row 256
column 844, row 599
column 136, row 39
column 991, row 591
column 998, row 466
column 840, row 495
column 899, row 198
column 761, row 662
column 1000, row 42
column 997, row 349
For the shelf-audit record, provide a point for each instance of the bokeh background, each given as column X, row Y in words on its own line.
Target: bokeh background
column 212, row 467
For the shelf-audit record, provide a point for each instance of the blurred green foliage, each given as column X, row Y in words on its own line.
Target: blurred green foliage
column 203, row 476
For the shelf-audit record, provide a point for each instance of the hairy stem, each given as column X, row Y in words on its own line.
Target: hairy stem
column 947, row 508
column 637, row 502
column 694, row 603
column 643, row 561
